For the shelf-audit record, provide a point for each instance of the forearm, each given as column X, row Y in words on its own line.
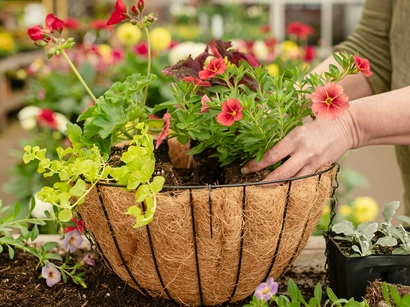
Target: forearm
column 381, row 119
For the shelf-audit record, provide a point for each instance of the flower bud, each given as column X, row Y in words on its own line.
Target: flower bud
column 40, row 43
column 140, row 5
column 134, row 10
column 133, row 22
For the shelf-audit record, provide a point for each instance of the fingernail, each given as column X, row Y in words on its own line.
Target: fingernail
column 244, row 170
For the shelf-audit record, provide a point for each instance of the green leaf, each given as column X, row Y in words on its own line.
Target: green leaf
column 79, row 188
column 11, row 252
column 34, row 233
column 65, row 215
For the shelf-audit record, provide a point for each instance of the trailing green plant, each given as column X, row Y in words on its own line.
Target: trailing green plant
column 391, row 293
column 367, row 236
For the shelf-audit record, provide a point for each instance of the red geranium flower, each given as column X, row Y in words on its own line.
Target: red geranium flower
column 164, row 133
column 329, row 101
column 79, row 225
column 119, row 13
column 362, row 65
column 310, row 53
column 46, row 118
column 204, row 100
column 54, row 24
column 71, row 23
column 36, row 33
column 215, row 67
column 196, row 81
column 141, row 49
column 98, row 24
column 231, row 112
column 299, row 29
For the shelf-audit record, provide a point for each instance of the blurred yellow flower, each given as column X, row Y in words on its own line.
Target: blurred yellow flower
column 160, row 39
column 326, row 210
column 345, row 210
column 290, row 49
column 273, row 69
column 365, row 209
column 6, row 41
column 105, row 50
column 187, row 32
column 128, row 34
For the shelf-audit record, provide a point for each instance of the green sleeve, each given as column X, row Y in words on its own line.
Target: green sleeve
column 370, row 40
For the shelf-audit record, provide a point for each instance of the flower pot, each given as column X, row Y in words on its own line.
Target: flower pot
column 208, row 244
column 349, row 276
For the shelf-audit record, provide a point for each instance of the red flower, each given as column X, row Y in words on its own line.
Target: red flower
column 140, row 5
column 196, row 81
column 164, row 133
column 79, row 226
column 362, row 65
column 310, row 53
column 215, row 67
column 119, row 13
column 204, row 100
column 329, row 101
column 141, row 49
column 299, row 29
column 54, row 24
column 46, row 118
column 98, row 24
column 231, row 112
column 36, row 33
column 71, row 23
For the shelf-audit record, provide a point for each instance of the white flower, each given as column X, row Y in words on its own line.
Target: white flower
column 28, row 117
column 40, row 207
column 183, row 50
column 260, row 50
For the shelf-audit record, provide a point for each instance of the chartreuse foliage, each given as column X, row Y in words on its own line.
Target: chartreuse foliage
column 80, row 168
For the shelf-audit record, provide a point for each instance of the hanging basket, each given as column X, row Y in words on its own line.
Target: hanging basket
column 208, row 245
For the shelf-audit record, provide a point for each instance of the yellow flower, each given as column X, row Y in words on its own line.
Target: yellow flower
column 345, row 210
column 105, row 51
column 6, row 41
column 160, row 39
column 290, row 50
column 128, row 34
column 326, row 210
column 273, row 69
column 365, row 209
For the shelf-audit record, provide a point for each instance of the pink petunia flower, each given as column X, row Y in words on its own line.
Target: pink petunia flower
column 72, row 240
column 119, row 13
column 196, row 81
column 51, row 274
column 215, row 67
column 204, row 100
column 329, row 101
column 164, row 133
column 231, row 112
column 362, row 65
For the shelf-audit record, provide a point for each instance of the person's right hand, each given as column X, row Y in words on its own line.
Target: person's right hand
column 309, row 147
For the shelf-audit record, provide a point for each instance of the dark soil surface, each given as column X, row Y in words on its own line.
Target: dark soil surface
column 20, row 286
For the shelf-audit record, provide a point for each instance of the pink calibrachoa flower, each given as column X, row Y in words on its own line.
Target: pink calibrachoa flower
column 119, row 13
column 88, row 260
column 231, row 112
column 266, row 290
column 329, row 101
column 362, row 65
column 79, row 225
column 72, row 240
column 204, row 100
column 196, row 81
column 51, row 274
column 215, row 67
column 164, row 133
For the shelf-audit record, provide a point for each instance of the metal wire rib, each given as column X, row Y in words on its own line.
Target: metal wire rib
column 285, row 211
column 116, row 242
column 154, row 259
column 210, row 210
column 240, row 244
column 195, row 246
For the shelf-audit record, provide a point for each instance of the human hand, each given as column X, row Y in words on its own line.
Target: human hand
column 309, row 147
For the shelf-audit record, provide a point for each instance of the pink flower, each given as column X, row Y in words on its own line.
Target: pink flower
column 164, row 133
column 231, row 112
column 51, row 274
column 299, row 29
column 54, row 24
column 362, row 65
column 204, row 100
column 119, row 13
column 36, row 33
column 88, row 260
column 215, row 67
column 141, row 49
column 329, row 101
column 266, row 290
column 79, row 225
column 196, row 81
column 72, row 240
column 46, row 117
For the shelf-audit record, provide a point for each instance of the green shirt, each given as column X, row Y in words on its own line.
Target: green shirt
column 383, row 37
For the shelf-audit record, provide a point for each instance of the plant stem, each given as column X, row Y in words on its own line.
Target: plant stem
column 144, row 99
column 78, row 75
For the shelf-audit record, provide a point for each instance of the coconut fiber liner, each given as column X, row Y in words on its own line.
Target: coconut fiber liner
column 209, row 245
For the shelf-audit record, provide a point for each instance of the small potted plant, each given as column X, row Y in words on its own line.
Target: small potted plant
column 208, row 242
column 357, row 256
